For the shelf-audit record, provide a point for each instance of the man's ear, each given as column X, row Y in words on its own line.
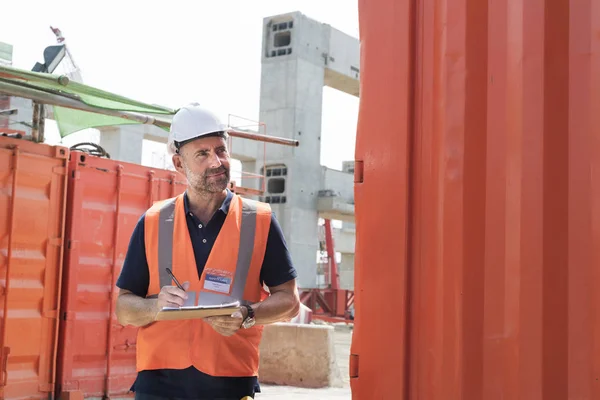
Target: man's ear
column 178, row 163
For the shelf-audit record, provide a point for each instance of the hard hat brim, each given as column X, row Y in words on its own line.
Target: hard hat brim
column 179, row 144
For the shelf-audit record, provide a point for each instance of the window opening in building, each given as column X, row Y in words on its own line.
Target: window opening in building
column 276, row 185
column 282, row 39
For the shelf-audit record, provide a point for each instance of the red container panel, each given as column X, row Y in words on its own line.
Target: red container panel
column 32, row 208
column 105, row 200
column 478, row 273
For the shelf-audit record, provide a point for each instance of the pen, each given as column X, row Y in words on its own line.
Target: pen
column 175, row 279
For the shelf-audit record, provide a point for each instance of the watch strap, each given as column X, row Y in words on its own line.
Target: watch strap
column 250, row 312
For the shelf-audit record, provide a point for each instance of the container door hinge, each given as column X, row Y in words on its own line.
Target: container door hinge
column 75, row 175
column 358, row 171
column 4, row 362
column 353, row 366
column 68, row 316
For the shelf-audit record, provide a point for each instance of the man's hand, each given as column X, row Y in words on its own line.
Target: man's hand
column 139, row 311
column 172, row 296
column 227, row 325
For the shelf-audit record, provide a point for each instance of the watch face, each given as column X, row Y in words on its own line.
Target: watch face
column 249, row 323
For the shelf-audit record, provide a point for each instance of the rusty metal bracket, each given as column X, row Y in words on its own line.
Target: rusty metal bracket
column 4, row 360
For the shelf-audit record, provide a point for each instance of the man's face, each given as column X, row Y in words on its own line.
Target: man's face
column 205, row 163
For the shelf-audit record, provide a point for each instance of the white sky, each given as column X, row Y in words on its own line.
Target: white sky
column 175, row 52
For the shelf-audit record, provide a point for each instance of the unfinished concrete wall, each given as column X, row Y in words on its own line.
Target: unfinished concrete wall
column 339, row 182
column 346, row 271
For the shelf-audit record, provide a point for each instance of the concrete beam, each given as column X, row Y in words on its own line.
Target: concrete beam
column 244, row 149
column 123, row 143
column 154, row 133
column 342, row 63
column 341, row 82
column 338, row 182
column 335, row 208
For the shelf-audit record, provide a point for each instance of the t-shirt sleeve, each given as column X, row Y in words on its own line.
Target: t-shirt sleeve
column 134, row 274
column 277, row 267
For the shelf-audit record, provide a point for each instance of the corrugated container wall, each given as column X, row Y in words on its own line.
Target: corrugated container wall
column 32, row 210
column 106, row 198
column 478, row 273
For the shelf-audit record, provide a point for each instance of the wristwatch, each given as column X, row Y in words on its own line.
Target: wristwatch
column 249, row 321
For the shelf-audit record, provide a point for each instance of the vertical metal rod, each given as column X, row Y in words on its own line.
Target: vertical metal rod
column 35, row 123
column 264, row 169
column 109, row 345
column 41, row 123
column 335, row 279
column 264, row 174
column 9, row 259
column 59, row 291
column 151, row 181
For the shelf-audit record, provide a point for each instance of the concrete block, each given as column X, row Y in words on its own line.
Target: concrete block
column 299, row 355
column 343, row 326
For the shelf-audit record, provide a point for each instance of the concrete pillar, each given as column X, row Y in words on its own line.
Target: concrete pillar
column 123, row 143
column 299, row 57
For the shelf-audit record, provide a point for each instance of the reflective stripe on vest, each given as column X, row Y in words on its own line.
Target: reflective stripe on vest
column 246, row 246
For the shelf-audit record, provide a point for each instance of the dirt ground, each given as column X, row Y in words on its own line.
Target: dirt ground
column 343, row 339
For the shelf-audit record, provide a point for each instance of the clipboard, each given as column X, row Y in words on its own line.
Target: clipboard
column 196, row 312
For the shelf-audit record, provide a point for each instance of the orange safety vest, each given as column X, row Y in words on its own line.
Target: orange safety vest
column 232, row 272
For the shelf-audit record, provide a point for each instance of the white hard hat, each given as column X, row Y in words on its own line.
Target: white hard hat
column 192, row 122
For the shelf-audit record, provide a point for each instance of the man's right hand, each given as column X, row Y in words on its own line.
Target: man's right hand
column 172, row 296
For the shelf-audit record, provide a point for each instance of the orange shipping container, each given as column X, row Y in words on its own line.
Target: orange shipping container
column 32, row 209
column 106, row 199
column 478, row 273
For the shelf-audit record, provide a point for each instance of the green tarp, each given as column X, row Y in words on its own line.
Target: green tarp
column 71, row 120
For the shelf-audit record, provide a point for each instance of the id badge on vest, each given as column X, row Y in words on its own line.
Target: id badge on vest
column 218, row 281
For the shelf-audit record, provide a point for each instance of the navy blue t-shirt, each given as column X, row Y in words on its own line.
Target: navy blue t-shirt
column 276, row 269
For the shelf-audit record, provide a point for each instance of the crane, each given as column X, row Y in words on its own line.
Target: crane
column 72, row 69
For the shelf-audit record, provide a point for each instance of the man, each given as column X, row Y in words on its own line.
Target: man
column 220, row 247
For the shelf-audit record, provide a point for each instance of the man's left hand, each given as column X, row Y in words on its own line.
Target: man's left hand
column 227, row 325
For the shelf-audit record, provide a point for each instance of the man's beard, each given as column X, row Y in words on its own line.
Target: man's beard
column 207, row 183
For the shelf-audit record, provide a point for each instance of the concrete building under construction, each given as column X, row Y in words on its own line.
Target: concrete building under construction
column 299, row 57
